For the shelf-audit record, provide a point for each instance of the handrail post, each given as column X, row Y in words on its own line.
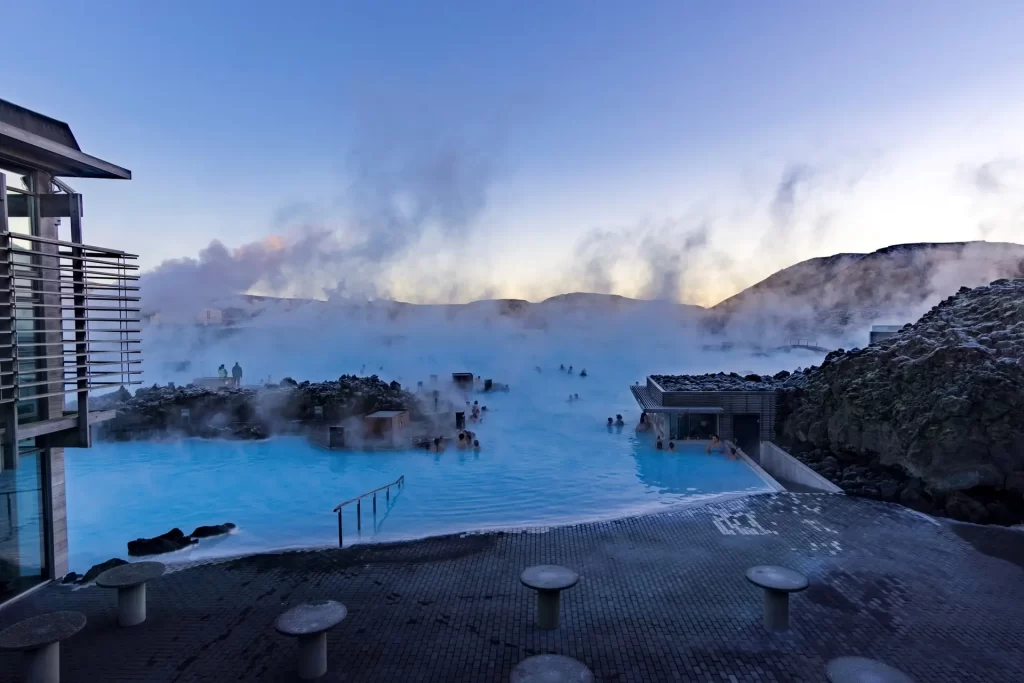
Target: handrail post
column 359, row 514
column 375, row 503
column 341, row 538
column 389, row 492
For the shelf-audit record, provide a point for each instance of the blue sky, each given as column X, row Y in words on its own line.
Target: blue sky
column 554, row 146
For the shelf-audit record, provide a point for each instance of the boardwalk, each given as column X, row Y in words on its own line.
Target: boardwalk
column 660, row 598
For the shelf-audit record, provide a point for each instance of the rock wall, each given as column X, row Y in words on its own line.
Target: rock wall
column 932, row 417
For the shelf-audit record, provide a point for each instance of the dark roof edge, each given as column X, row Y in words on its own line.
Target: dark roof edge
column 39, row 124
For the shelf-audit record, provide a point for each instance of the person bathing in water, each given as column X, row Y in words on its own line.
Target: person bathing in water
column 715, row 445
column 619, row 422
column 671, row 445
column 609, row 425
column 583, row 372
column 658, row 445
column 644, row 425
column 476, row 445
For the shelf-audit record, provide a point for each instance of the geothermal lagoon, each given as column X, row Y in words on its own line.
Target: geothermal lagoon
column 544, row 460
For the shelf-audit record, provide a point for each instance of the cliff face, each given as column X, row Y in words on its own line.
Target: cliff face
column 936, row 413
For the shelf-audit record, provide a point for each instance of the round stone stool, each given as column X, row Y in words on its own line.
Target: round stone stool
column 39, row 639
column 549, row 581
column 863, row 670
column 130, row 582
column 551, row 669
column 309, row 623
column 778, row 583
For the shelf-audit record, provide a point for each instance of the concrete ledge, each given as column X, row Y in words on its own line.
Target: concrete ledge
column 758, row 470
column 782, row 465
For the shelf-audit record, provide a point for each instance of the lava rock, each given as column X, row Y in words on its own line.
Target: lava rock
column 214, row 530
column 961, row 506
column 173, row 540
column 98, row 569
column 890, row 490
column 251, row 413
column 70, row 577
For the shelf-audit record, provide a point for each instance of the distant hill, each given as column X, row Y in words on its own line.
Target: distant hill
column 823, row 296
column 817, row 299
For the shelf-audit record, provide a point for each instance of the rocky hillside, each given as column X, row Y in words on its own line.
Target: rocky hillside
column 244, row 413
column 823, row 296
column 932, row 417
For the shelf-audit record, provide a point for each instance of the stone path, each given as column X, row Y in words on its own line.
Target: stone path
column 660, row 598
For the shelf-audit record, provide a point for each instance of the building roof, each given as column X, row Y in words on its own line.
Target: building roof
column 719, row 382
column 33, row 140
column 649, row 404
column 387, row 413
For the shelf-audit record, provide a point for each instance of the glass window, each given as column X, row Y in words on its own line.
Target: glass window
column 17, row 181
column 22, row 521
column 695, row 425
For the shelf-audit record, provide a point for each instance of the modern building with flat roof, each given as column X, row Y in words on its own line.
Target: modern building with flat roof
column 69, row 326
column 681, row 408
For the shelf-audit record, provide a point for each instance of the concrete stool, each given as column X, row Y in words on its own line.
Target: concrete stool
column 130, row 582
column 39, row 638
column 778, row 583
column 549, row 581
column 863, row 670
column 309, row 623
column 551, row 669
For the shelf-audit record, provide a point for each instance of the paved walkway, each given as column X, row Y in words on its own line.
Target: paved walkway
column 660, row 598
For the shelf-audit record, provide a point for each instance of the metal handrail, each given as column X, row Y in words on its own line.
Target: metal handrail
column 358, row 500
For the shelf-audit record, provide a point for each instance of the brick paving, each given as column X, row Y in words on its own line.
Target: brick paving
column 661, row 598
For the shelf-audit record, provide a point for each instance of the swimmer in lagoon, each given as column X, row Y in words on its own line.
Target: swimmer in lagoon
column 715, row 445
column 609, row 423
column 437, row 445
column 658, row 445
column 570, row 369
column 562, row 367
column 732, row 454
column 644, row 425
column 671, row 445
column 583, row 372
column 476, row 446
column 462, row 441
column 619, row 422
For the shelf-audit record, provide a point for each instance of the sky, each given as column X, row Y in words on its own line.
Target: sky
column 450, row 151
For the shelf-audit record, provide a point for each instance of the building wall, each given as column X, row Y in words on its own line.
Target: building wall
column 58, row 513
column 762, row 403
column 53, row 406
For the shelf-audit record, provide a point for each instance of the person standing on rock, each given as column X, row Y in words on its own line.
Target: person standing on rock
column 222, row 372
column 236, row 374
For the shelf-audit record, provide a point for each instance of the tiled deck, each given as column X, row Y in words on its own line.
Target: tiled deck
column 661, row 598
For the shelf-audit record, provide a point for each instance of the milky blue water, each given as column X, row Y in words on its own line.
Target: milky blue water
column 544, row 460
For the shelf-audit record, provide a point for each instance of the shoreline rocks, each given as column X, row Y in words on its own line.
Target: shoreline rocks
column 244, row 414
column 175, row 539
column 214, row 530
